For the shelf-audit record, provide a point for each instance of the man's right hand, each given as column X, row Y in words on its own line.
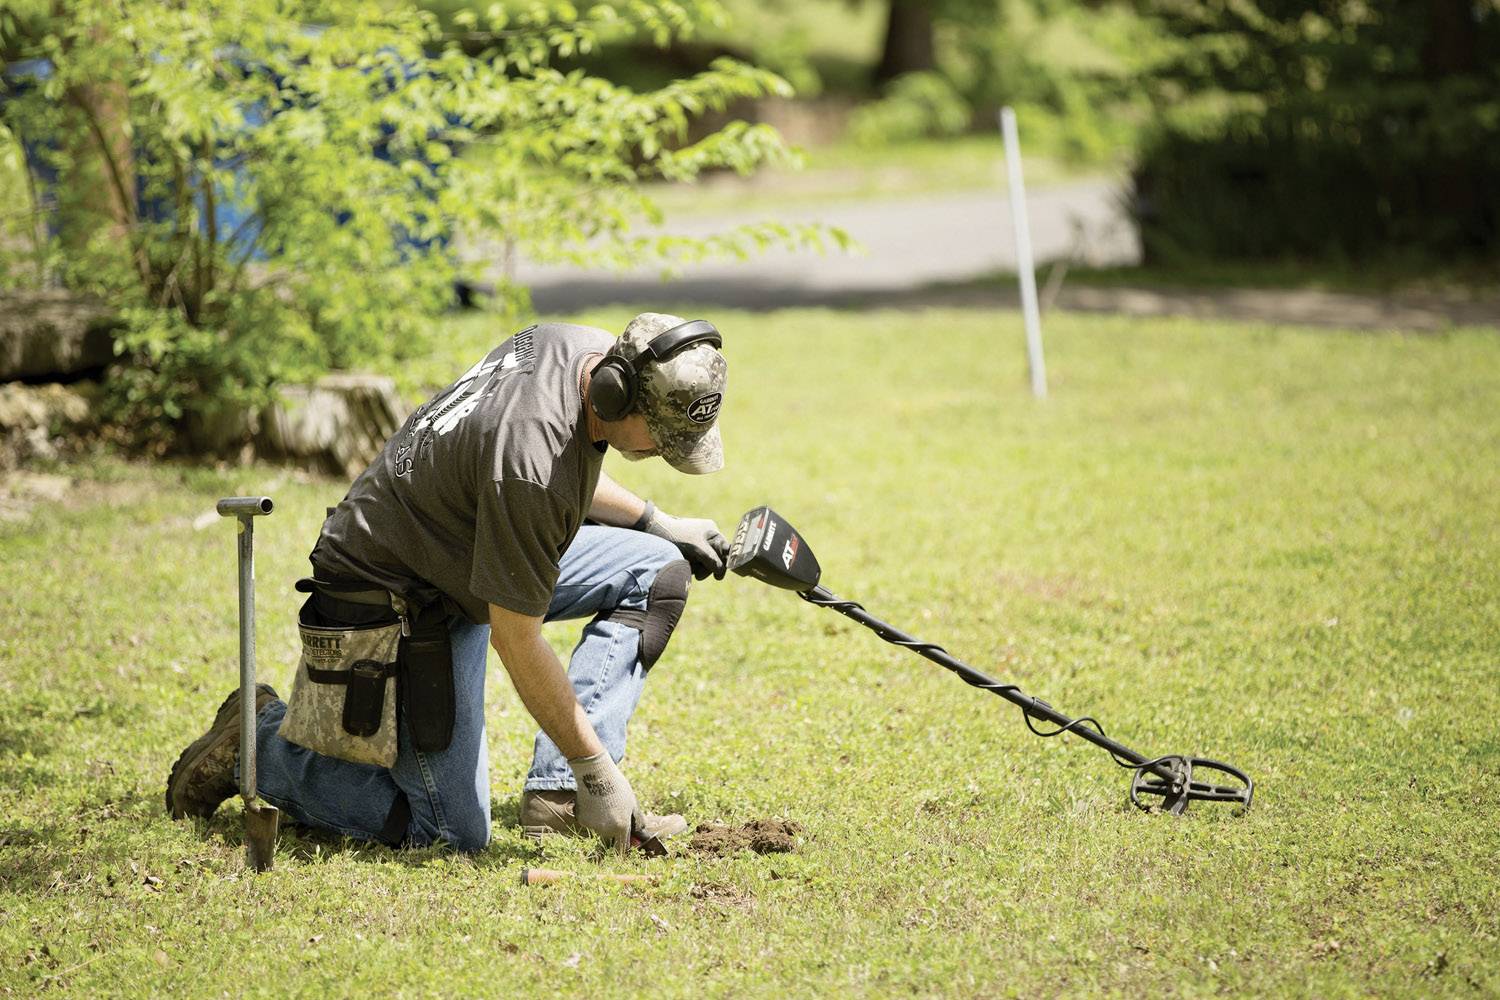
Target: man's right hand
column 605, row 802
column 699, row 540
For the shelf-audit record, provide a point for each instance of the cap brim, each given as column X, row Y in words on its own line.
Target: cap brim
column 694, row 454
column 705, row 455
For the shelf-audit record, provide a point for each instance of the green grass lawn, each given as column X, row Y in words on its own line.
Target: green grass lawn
column 1276, row 547
column 844, row 172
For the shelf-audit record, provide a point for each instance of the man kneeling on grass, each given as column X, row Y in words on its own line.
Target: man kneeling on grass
column 469, row 527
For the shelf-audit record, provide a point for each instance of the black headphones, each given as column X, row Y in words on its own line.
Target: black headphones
column 616, row 381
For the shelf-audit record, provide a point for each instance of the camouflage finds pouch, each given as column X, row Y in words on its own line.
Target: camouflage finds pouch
column 343, row 704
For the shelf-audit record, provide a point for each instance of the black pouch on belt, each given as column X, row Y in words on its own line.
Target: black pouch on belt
column 364, row 698
column 427, row 680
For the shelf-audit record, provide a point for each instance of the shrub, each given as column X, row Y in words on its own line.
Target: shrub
column 914, row 106
column 269, row 188
column 1351, row 131
column 1071, row 68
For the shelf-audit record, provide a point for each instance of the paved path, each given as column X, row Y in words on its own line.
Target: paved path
column 908, row 243
column 912, row 246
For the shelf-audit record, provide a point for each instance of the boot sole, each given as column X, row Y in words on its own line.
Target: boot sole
column 190, row 757
column 538, row 833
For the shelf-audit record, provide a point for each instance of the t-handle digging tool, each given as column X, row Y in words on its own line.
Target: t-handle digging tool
column 261, row 819
column 769, row 549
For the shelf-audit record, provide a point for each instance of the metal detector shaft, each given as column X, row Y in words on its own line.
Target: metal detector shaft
column 768, row 549
column 260, row 819
column 1033, row 707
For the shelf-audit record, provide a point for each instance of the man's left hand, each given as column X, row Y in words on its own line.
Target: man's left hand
column 698, row 538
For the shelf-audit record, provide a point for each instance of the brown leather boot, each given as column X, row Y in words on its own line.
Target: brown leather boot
column 203, row 776
column 548, row 813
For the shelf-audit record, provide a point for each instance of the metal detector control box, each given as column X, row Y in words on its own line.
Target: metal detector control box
column 769, row 549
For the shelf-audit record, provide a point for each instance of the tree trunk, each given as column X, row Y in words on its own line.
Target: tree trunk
column 1449, row 48
column 908, row 40
column 337, row 425
column 1452, row 185
column 96, row 191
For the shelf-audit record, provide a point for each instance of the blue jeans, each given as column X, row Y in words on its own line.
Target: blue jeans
column 448, row 791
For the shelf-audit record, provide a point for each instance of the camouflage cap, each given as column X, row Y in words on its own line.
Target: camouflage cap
column 679, row 397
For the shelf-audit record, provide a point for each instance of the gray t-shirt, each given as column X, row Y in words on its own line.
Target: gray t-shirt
column 485, row 485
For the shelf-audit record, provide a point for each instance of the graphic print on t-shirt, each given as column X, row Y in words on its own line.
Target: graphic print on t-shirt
column 445, row 411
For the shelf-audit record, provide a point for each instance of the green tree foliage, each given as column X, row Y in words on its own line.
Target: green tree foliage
column 1071, row 68
column 359, row 145
column 914, row 105
column 1344, row 128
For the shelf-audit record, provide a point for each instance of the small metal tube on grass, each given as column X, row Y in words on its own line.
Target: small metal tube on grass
column 551, row 876
column 261, row 820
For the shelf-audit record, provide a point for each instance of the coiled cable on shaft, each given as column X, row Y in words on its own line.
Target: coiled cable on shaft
column 855, row 610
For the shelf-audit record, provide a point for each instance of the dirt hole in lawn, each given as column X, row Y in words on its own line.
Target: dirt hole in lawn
column 763, row 836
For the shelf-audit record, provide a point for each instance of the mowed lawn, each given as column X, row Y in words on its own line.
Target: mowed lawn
column 1275, row 547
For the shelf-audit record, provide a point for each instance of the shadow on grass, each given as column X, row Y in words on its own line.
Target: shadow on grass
column 41, row 858
column 311, row 844
column 46, row 856
column 25, row 745
column 27, row 855
column 26, row 847
column 1375, row 309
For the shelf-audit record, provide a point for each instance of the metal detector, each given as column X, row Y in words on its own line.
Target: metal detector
column 769, row 549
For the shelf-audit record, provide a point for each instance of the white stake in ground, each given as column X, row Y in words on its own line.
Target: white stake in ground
column 1024, row 268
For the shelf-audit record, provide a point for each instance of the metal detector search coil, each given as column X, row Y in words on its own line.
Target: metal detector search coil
column 769, row 549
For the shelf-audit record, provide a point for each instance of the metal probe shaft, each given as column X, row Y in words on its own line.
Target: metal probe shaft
column 247, row 657
column 261, row 820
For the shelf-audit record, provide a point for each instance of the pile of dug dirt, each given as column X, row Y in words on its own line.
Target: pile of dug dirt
column 763, row 836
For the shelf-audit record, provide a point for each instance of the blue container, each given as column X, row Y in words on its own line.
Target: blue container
column 235, row 224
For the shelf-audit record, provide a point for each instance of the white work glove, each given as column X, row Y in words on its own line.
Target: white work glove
column 698, row 538
column 605, row 802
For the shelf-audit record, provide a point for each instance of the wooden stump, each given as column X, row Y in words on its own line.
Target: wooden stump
column 53, row 334
column 337, row 425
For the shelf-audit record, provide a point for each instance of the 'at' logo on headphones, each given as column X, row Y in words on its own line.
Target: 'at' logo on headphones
column 703, row 409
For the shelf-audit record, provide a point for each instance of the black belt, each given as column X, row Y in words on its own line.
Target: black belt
column 361, row 592
column 355, row 592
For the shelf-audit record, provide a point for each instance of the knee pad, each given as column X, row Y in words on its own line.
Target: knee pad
column 665, row 602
